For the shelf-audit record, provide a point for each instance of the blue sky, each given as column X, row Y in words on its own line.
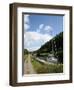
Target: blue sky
column 38, row 29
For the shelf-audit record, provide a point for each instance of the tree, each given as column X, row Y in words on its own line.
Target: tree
column 26, row 51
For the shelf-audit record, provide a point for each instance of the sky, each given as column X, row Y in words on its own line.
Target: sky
column 38, row 29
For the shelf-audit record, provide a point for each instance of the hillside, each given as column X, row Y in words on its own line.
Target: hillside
column 54, row 46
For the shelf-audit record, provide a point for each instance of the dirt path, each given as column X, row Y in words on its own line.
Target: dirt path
column 28, row 68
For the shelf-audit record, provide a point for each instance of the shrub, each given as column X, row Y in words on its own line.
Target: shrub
column 59, row 54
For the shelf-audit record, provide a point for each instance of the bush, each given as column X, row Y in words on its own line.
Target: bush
column 59, row 55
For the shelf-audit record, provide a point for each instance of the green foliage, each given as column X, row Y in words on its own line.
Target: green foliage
column 47, row 47
column 25, row 51
column 45, row 68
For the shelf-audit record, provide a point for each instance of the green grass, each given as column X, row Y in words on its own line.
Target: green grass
column 44, row 68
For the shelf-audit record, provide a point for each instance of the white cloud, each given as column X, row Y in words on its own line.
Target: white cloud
column 41, row 26
column 26, row 26
column 26, row 18
column 26, row 22
column 48, row 28
column 34, row 40
column 44, row 29
column 33, row 48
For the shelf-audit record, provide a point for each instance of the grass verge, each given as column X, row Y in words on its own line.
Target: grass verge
column 44, row 68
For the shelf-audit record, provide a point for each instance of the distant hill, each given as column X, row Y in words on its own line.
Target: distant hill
column 55, row 46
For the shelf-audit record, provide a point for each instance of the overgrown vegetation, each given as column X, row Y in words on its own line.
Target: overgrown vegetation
column 47, row 68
